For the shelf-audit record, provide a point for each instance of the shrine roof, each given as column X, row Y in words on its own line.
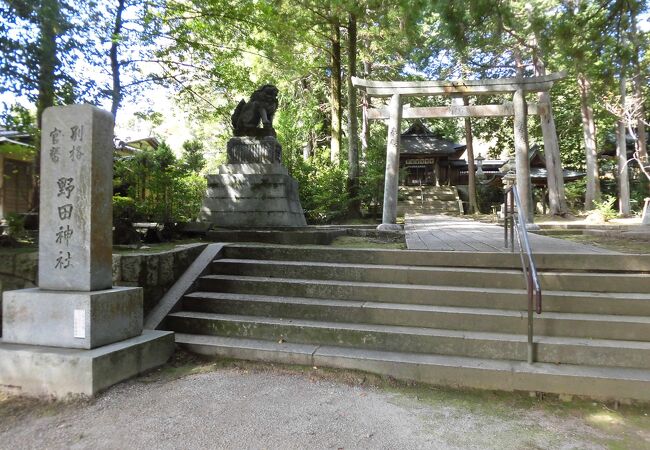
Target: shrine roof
column 418, row 139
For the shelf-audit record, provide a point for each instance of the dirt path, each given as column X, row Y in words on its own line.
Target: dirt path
column 264, row 407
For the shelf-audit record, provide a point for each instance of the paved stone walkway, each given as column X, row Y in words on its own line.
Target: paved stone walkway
column 437, row 232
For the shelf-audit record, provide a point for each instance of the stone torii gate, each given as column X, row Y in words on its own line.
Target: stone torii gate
column 395, row 112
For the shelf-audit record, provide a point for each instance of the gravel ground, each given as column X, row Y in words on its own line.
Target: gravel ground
column 267, row 409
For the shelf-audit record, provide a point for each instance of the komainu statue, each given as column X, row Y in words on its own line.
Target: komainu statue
column 260, row 108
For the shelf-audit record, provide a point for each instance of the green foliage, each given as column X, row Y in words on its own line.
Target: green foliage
column 124, row 209
column 371, row 181
column 606, row 208
column 192, row 159
column 575, row 194
column 488, row 196
column 322, row 187
column 15, row 225
column 638, row 193
column 163, row 188
column 18, row 118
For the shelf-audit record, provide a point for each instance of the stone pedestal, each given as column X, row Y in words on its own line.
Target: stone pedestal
column 59, row 372
column 75, row 334
column 72, row 319
column 254, row 189
column 252, row 150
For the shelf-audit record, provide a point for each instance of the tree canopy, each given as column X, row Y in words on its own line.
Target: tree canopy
column 208, row 54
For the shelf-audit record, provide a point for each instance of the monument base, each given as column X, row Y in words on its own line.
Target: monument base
column 389, row 227
column 59, row 372
column 252, row 195
column 71, row 319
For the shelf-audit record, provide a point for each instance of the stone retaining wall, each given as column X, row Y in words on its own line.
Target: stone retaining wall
column 154, row 272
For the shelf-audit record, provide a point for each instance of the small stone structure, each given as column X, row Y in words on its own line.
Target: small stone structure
column 253, row 189
column 75, row 305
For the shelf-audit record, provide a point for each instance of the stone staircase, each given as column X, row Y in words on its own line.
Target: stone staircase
column 428, row 200
column 447, row 318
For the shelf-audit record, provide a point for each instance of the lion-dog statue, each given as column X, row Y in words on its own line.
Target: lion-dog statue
column 260, row 108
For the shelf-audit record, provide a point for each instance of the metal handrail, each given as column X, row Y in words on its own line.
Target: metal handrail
column 518, row 220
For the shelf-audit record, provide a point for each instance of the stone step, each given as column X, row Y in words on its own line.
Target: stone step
column 512, row 299
column 428, row 195
column 427, row 210
column 429, row 202
column 597, row 382
column 473, row 344
column 428, row 189
column 447, row 276
column 605, row 263
column 472, row 319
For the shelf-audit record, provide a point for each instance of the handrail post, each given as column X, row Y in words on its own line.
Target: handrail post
column 529, row 270
column 512, row 219
column 505, row 219
column 530, row 317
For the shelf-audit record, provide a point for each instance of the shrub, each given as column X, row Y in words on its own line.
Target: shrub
column 606, row 208
column 124, row 209
column 162, row 188
column 575, row 194
column 15, row 225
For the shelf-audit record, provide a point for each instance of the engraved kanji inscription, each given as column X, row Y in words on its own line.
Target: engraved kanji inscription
column 65, row 211
column 65, row 186
column 76, row 153
column 63, row 261
column 64, row 235
column 77, row 133
column 54, row 135
column 54, row 154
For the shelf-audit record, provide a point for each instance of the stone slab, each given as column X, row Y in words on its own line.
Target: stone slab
column 252, row 200
column 72, row 319
column 252, row 204
column 247, row 149
column 75, row 233
column 174, row 295
column 255, row 219
column 253, row 168
column 60, row 372
column 248, row 179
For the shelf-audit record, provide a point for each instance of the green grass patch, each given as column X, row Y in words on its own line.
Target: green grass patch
column 366, row 242
column 623, row 245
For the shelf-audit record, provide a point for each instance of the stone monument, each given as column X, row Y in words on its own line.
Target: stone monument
column 253, row 189
column 75, row 305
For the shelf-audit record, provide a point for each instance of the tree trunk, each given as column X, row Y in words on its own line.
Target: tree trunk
column 354, row 204
column 638, row 82
column 116, row 93
column 335, row 96
column 365, row 105
column 307, row 149
column 471, row 169
column 589, row 131
column 49, row 18
column 621, row 155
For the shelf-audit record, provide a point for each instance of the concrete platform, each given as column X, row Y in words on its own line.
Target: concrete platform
column 447, row 233
column 59, row 372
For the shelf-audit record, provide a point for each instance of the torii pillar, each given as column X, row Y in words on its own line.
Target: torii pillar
column 391, row 179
